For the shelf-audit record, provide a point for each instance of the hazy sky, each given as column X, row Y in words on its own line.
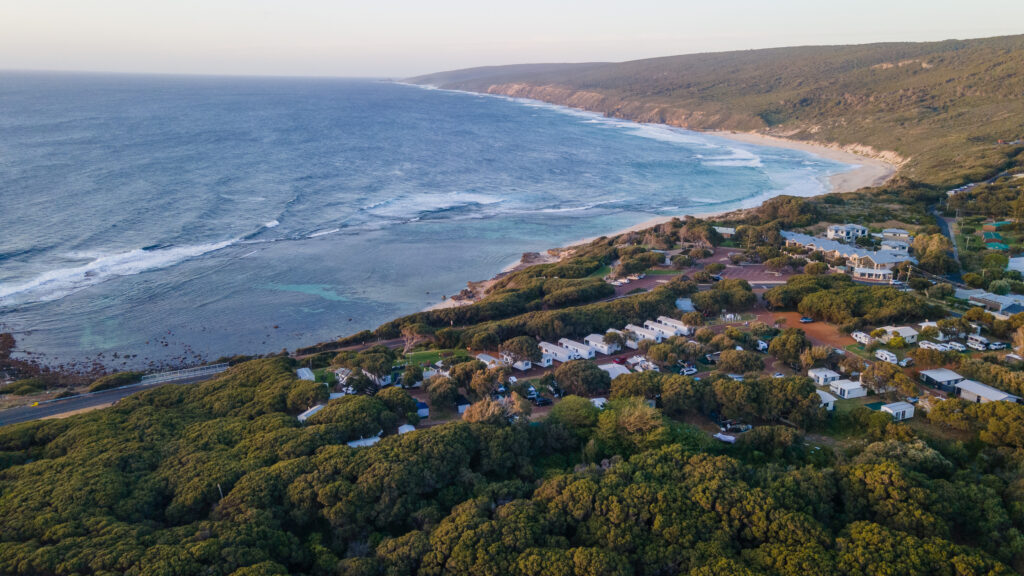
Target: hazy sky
column 404, row 37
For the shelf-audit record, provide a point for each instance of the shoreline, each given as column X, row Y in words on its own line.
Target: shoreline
column 867, row 172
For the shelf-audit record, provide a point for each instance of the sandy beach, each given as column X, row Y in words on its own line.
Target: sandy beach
column 869, row 171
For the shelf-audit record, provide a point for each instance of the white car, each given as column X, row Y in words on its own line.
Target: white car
column 956, row 346
column 689, row 371
column 996, row 346
column 778, row 375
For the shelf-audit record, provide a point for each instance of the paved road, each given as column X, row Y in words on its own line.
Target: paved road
column 83, row 402
column 946, row 224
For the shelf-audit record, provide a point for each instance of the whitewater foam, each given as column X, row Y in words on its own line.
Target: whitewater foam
column 61, row 282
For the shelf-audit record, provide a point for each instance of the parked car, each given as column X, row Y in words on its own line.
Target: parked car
column 996, row 346
column 908, row 361
column 618, row 360
column 806, row 320
column 956, row 346
column 542, row 401
column 689, row 371
column 716, row 278
column 778, row 375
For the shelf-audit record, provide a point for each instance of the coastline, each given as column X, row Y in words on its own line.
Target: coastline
column 868, row 171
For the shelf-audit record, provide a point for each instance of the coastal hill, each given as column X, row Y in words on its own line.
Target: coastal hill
column 937, row 108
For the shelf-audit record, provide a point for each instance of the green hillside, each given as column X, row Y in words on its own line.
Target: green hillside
column 942, row 106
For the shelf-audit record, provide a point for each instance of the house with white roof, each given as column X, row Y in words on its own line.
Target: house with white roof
column 685, row 329
column 973, row 391
column 644, row 333
column 725, row 231
column 941, row 378
column 929, row 324
column 614, row 370
column 867, row 265
column 342, row 375
column 895, row 245
column 305, row 374
column 896, row 233
column 364, row 442
column 823, row 376
column 846, row 232
column 489, row 360
column 422, row 409
column 847, row 389
column 899, row 410
column 596, row 341
column 582, row 350
column 685, row 305
column 557, row 352
column 599, row 403
column 665, row 330
column 406, row 428
column 908, row 334
column 828, row 401
column 305, row 415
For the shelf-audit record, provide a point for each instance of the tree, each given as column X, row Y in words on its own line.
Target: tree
column 486, row 382
column 816, row 268
column 442, row 392
column 614, row 338
column 522, row 348
column 740, row 361
column 411, row 375
column 646, row 384
column 487, row 411
column 583, row 378
column 789, row 344
column 397, row 400
column 577, row 414
column 882, row 376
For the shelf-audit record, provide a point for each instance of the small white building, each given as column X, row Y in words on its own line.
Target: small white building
column 546, row 360
column 846, row 232
column 900, row 410
column 977, row 392
column 364, row 442
column 582, row 350
column 342, row 375
column 599, row 402
column 557, row 352
column 941, row 378
column 305, row 415
column 461, row 403
column 406, row 428
column 614, row 370
column 305, row 374
column 489, row 360
column 823, row 376
column 929, row 324
column 847, row 389
column 596, row 341
column 380, row 381
column 422, row 409
column 828, row 401
column 685, row 329
column 644, row 333
column 895, row 245
column 896, row 234
column 685, row 305
column 668, row 330
column 862, row 337
column 886, row 356
column 908, row 334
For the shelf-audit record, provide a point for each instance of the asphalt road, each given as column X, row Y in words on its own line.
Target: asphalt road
column 83, row 402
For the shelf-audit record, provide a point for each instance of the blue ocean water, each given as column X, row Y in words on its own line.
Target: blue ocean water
column 172, row 219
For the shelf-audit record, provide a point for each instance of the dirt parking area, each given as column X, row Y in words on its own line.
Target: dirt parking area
column 819, row 333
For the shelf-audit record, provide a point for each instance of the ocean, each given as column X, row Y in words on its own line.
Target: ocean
column 160, row 220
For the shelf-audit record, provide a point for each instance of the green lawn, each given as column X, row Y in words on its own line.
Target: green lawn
column 859, row 350
column 600, row 272
column 325, row 375
column 431, row 356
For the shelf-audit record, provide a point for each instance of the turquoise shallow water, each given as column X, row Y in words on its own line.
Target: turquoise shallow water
column 173, row 219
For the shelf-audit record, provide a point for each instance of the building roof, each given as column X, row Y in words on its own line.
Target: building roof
column 305, row 374
column 897, row 406
column 363, row 442
column 822, row 372
column 985, row 391
column 825, row 397
column 900, row 330
column 302, row 417
column 895, row 231
column 724, row 230
column 487, row 358
column 846, row 250
column 846, row 384
column 941, row 375
column 406, row 428
column 614, row 370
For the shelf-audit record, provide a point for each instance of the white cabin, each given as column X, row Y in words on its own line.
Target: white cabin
column 908, row 334
column 823, row 376
column 489, row 360
column 666, row 330
column 847, row 389
column 644, row 333
column 582, row 350
column 596, row 341
column 686, row 328
column 558, row 353
column 899, row 410
column 305, row 415
column 979, row 393
column 862, row 337
column 305, row 374
column 828, row 401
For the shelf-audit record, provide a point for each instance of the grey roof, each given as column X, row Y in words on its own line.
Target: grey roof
column 826, row 245
column 985, row 391
column 941, row 374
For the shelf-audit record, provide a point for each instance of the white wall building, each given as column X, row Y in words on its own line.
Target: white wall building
column 557, row 352
column 977, row 392
column 579, row 348
column 305, row 415
column 847, row 389
column 828, row 401
column 644, row 333
column 685, row 329
column 305, row 374
column 899, row 410
column 489, row 360
column 862, row 337
column 596, row 341
column 846, row 232
column 614, row 370
column 823, row 376
column 908, row 334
